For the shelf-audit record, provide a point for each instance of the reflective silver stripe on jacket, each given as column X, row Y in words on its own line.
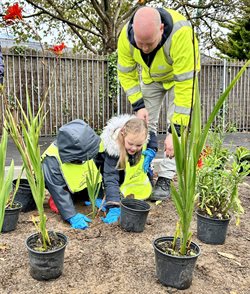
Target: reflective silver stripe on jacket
column 133, row 90
column 166, row 47
column 158, row 75
column 126, row 69
column 182, row 110
column 185, row 76
column 131, row 49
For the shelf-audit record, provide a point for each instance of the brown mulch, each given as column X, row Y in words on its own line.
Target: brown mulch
column 105, row 259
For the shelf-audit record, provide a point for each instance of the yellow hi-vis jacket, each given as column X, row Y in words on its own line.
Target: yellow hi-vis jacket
column 136, row 181
column 173, row 65
column 74, row 174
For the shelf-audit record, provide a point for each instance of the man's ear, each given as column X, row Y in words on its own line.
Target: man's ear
column 162, row 28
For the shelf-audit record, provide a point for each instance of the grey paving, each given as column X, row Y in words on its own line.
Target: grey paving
column 12, row 152
column 232, row 140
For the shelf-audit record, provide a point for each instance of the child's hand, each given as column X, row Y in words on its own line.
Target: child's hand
column 149, row 156
column 79, row 221
column 99, row 203
column 112, row 216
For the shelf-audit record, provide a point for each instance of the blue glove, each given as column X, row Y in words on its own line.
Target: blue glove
column 98, row 203
column 79, row 221
column 112, row 216
column 149, row 156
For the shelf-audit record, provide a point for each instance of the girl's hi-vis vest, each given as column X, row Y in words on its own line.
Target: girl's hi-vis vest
column 75, row 175
column 136, row 181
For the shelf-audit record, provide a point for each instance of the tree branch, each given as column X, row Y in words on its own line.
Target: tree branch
column 52, row 15
column 100, row 12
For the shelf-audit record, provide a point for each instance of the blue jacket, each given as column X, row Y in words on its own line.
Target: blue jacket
column 1, row 67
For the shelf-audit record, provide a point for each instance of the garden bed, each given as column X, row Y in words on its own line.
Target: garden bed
column 104, row 259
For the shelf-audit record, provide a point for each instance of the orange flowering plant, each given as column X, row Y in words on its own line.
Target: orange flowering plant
column 24, row 128
column 218, row 179
column 13, row 13
column 205, row 152
column 58, row 49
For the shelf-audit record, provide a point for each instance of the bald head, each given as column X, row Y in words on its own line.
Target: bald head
column 147, row 28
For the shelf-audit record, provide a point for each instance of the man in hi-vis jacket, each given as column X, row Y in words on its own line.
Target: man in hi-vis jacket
column 161, row 42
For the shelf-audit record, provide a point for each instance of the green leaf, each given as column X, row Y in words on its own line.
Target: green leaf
column 187, row 152
column 5, row 190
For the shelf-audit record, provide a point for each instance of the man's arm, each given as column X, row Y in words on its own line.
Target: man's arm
column 128, row 73
column 185, row 65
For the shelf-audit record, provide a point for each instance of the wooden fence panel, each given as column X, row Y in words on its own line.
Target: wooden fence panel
column 77, row 87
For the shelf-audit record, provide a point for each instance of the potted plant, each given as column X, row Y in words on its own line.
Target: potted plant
column 46, row 249
column 94, row 183
column 218, row 178
column 176, row 255
column 9, row 209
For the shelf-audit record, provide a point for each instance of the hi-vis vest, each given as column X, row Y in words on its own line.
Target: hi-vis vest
column 75, row 175
column 136, row 181
column 173, row 65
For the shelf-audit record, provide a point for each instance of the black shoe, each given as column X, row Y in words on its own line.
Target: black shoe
column 161, row 190
column 150, row 175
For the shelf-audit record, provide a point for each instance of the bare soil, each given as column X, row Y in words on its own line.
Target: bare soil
column 105, row 259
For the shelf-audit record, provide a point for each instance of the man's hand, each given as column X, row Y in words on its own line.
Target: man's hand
column 142, row 114
column 169, row 147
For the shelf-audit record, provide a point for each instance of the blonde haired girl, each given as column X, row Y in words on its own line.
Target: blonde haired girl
column 124, row 139
column 131, row 139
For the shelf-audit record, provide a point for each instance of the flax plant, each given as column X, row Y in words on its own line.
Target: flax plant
column 187, row 151
column 25, row 133
column 5, row 181
column 93, row 180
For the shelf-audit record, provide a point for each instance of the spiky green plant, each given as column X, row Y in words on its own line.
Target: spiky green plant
column 5, row 181
column 25, row 132
column 187, row 151
column 93, row 180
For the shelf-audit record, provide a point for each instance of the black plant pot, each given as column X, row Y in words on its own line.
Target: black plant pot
column 211, row 230
column 11, row 217
column 46, row 265
column 134, row 214
column 174, row 271
column 24, row 195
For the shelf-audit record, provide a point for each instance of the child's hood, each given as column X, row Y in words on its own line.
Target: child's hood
column 111, row 131
column 76, row 140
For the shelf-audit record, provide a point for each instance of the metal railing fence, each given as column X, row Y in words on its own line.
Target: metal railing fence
column 77, row 87
column 214, row 77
